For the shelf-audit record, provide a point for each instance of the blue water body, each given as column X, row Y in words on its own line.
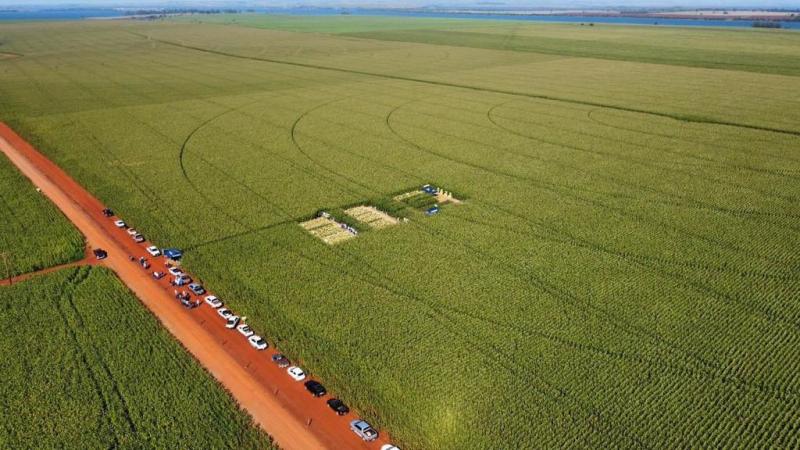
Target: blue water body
column 565, row 19
column 57, row 14
column 83, row 13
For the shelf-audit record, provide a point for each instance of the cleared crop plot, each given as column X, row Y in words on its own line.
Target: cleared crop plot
column 327, row 230
column 33, row 233
column 371, row 216
column 624, row 273
column 92, row 369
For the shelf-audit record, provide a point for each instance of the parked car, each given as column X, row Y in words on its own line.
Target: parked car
column 107, row 212
column 158, row 275
column 338, row 406
column 181, row 279
column 389, row 447
column 174, row 271
column 224, row 313
column 144, row 263
column 245, row 330
column 138, row 238
column 99, row 253
column 120, row 224
column 257, row 342
column 232, row 322
column 154, row 251
column 296, row 373
column 213, row 301
column 197, row 289
column 363, row 430
column 132, row 232
column 280, row 360
column 188, row 303
column 316, row 388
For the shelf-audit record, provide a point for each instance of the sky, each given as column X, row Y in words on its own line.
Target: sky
column 582, row 4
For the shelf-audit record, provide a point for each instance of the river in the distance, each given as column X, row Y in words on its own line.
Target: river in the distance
column 85, row 13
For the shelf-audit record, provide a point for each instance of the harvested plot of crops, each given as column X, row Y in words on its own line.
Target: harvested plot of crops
column 327, row 230
column 371, row 216
column 33, row 233
column 91, row 368
column 623, row 273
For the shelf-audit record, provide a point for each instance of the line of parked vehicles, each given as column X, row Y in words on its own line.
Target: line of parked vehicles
column 179, row 278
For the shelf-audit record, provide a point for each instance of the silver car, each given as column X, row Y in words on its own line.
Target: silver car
column 363, row 430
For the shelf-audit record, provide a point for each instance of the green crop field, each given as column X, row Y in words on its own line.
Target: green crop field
column 624, row 272
column 88, row 367
column 33, row 233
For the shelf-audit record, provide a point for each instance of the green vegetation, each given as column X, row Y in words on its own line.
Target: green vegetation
column 87, row 367
column 33, row 233
column 747, row 50
column 624, row 273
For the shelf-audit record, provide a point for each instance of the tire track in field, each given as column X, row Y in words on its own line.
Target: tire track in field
column 293, row 133
column 685, row 201
column 590, row 113
column 188, row 179
column 555, row 190
column 105, row 408
column 97, row 356
column 674, row 116
column 590, row 116
column 643, row 162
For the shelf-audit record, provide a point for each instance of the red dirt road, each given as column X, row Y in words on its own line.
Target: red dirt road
column 281, row 406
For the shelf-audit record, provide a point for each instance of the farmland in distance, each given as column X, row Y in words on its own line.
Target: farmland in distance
column 91, row 368
column 624, row 272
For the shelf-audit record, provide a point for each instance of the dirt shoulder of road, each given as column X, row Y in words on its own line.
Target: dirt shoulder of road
column 279, row 405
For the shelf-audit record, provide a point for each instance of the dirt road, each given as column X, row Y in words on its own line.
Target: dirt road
column 281, row 406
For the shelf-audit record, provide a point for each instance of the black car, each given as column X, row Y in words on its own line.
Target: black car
column 280, row 360
column 99, row 253
column 316, row 389
column 108, row 213
column 338, row 406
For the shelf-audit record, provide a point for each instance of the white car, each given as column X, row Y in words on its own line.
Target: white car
column 296, row 373
column 132, row 232
column 245, row 330
column 224, row 313
column 213, row 301
column 389, row 447
column 153, row 250
column 257, row 342
column 120, row 224
column 232, row 322
column 174, row 271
